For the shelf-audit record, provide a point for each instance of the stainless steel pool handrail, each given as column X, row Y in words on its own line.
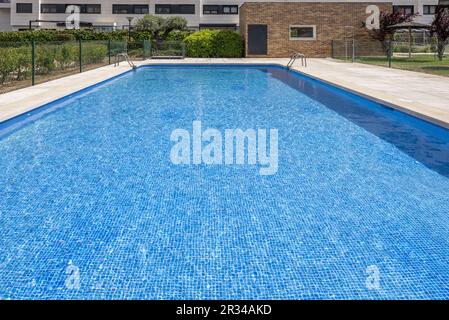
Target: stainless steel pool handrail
column 126, row 57
column 296, row 55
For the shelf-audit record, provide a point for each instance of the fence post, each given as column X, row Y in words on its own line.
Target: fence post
column 33, row 61
column 389, row 53
column 353, row 50
column 332, row 49
column 80, row 55
column 109, row 51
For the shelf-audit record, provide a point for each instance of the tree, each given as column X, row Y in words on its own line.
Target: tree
column 160, row 27
column 440, row 28
column 386, row 21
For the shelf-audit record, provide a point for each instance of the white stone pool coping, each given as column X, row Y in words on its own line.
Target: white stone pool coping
column 423, row 95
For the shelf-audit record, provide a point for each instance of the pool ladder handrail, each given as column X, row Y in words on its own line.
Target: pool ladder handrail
column 294, row 56
column 126, row 57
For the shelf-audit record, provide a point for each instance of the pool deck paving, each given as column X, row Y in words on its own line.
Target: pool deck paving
column 423, row 95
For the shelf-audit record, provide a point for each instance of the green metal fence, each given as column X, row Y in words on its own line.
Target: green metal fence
column 25, row 64
column 415, row 56
column 165, row 49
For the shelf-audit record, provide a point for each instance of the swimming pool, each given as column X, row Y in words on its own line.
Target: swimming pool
column 87, row 184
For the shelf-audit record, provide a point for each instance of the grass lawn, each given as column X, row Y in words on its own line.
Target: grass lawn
column 423, row 63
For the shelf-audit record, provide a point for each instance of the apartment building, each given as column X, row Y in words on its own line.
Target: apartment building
column 107, row 15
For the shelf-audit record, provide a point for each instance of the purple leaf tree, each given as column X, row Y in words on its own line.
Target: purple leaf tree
column 440, row 28
column 386, row 21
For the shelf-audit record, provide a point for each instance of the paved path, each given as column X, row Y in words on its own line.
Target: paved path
column 426, row 96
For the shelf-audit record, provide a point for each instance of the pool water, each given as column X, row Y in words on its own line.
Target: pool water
column 87, row 184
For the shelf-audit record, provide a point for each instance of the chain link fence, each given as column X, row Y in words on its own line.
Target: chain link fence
column 164, row 49
column 418, row 56
column 26, row 64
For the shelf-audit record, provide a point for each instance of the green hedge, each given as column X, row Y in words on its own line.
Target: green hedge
column 199, row 44
column 52, row 54
column 214, row 44
column 205, row 44
column 67, row 35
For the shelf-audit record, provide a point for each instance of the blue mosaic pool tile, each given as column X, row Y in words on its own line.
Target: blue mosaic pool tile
column 91, row 186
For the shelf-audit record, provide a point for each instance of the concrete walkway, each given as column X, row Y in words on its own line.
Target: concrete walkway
column 424, row 95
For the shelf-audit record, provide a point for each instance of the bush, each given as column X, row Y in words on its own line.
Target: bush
column 94, row 52
column 199, row 44
column 227, row 44
column 68, row 35
column 214, row 44
column 400, row 47
column 404, row 48
column 23, row 62
column 68, row 55
column 38, row 35
column 8, row 62
column 46, row 58
column 178, row 35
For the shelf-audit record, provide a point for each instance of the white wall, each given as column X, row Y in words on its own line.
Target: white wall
column 107, row 18
column 21, row 20
column 418, row 8
column 220, row 19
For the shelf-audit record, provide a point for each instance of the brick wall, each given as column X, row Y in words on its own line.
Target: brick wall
column 330, row 20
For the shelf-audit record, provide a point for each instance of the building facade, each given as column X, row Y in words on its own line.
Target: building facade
column 305, row 27
column 107, row 15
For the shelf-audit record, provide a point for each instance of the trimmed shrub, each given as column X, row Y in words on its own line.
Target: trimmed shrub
column 69, row 34
column 199, row 44
column 227, row 44
column 214, row 44
column 38, row 35
column 178, row 35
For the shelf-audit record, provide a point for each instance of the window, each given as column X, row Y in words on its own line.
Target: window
column 120, row 9
column 211, row 9
column 404, row 9
column 302, row 32
column 429, row 9
column 52, row 8
column 62, row 8
column 24, row 8
column 130, row 9
column 220, row 9
column 175, row 9
column 91, row 8
column 140, row 9
column 230, row 9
